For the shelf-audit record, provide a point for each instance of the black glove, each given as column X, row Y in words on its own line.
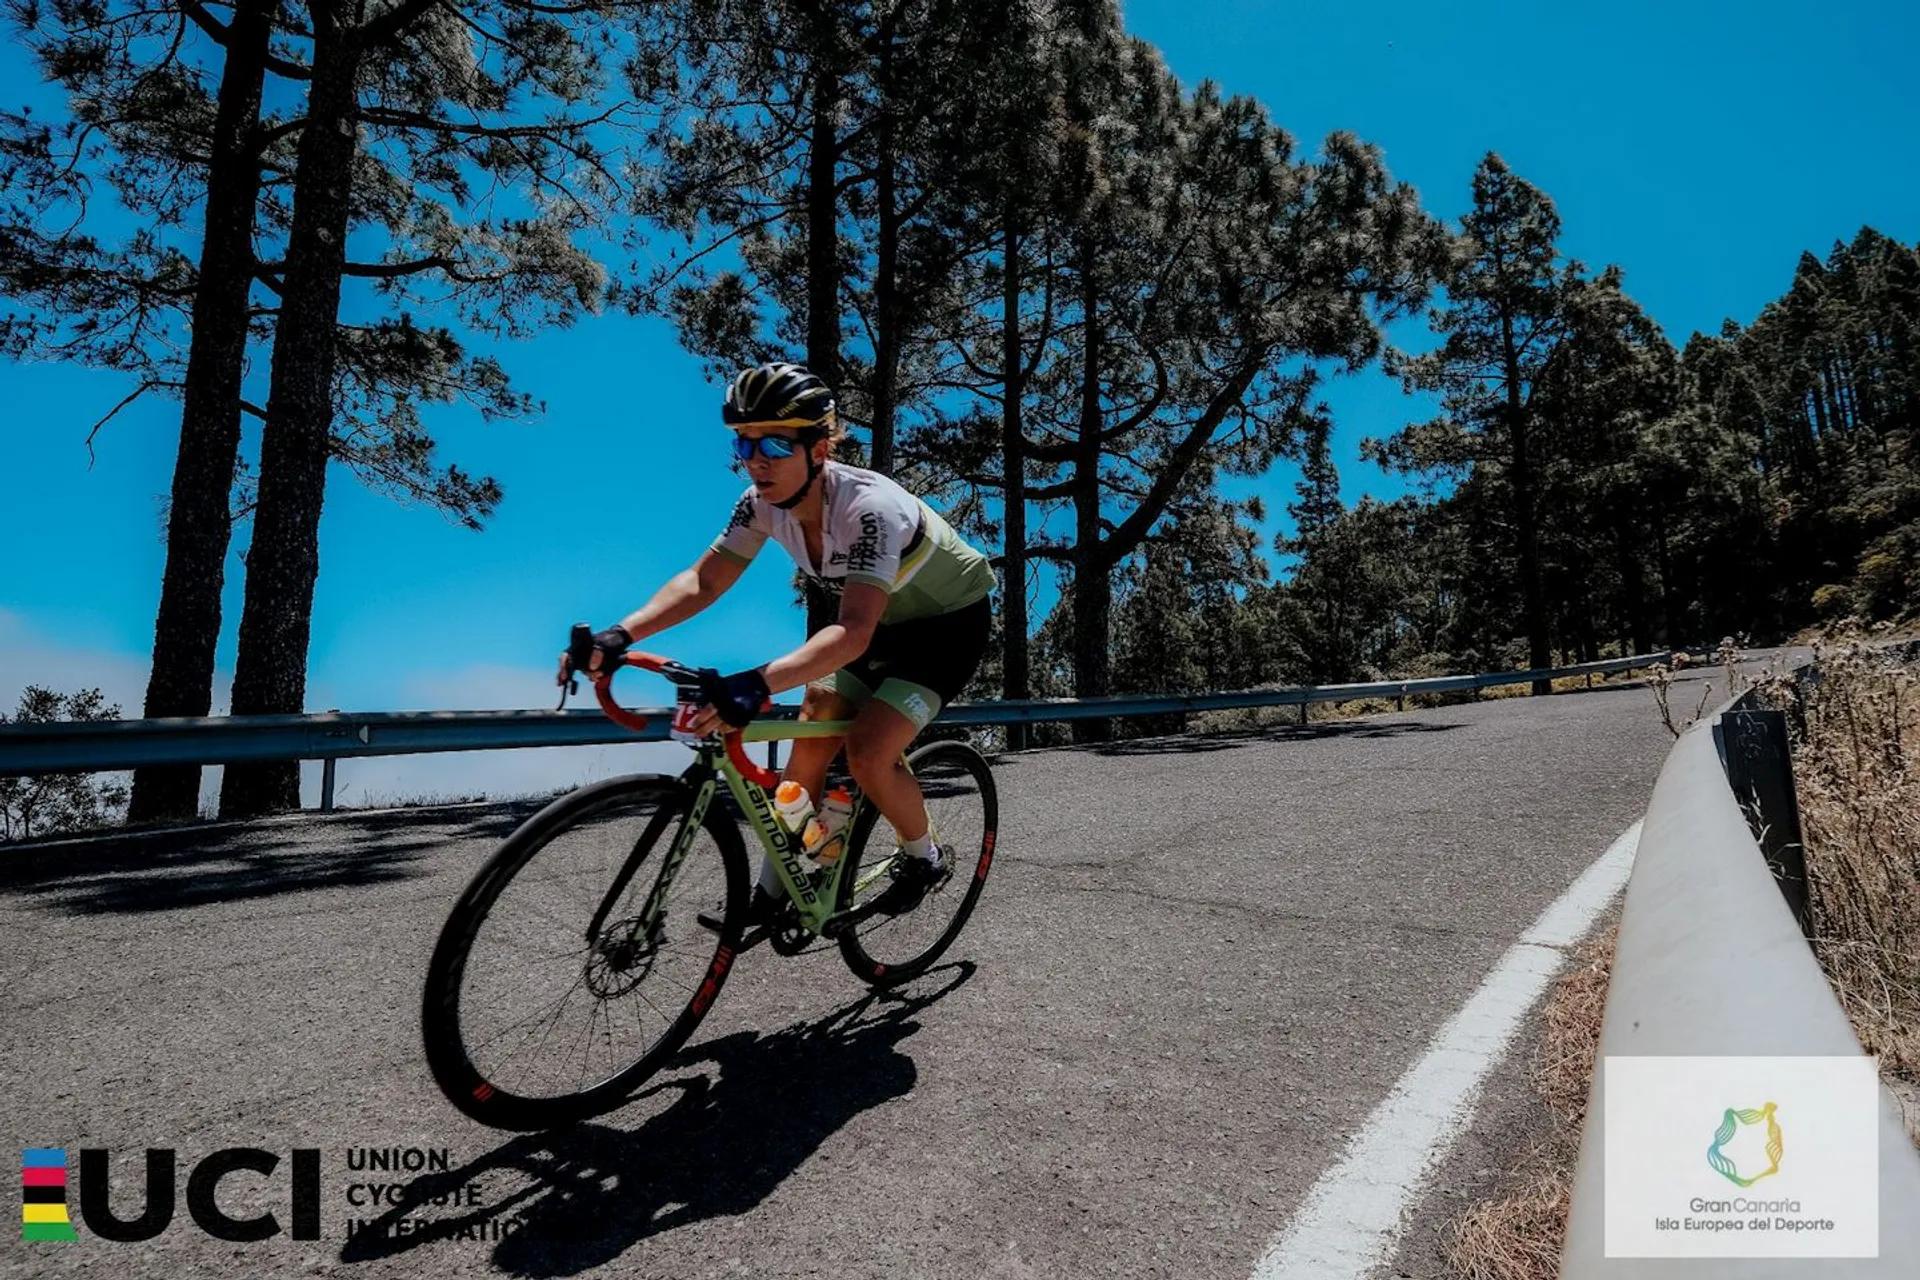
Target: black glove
column 610, row 644
column 738, row 697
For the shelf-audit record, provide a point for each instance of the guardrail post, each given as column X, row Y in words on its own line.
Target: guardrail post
column 1303, row 711
column 773, row 754
column 326, row 785
column 1753, row 750
column 1400, row 703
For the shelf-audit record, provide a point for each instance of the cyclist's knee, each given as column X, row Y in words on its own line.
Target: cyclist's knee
column 869, row 759
column 821, row 703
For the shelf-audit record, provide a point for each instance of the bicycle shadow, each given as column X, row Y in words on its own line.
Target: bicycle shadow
column 765, row 1104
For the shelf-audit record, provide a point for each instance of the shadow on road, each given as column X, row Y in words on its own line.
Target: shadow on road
column 168, row 870
column 1200, row 743
column 759, row 1107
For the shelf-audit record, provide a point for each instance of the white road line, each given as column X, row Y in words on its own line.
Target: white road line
column 1350, row 1219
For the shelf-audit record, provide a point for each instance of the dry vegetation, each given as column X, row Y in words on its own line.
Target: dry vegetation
column 1257, row 718
column 1517, row 1234
column 1856, row 764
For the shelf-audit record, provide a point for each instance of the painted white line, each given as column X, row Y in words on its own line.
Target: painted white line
column 1350, row 1218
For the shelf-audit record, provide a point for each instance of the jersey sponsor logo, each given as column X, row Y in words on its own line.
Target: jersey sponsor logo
column 864, row 555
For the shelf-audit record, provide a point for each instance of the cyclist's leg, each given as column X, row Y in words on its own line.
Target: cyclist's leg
column 811, row 756
column 876, row 744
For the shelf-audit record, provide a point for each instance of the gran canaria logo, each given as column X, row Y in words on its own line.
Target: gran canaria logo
column 1730, row 1123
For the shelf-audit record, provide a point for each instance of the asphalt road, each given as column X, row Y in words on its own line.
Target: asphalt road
column 1197, row 967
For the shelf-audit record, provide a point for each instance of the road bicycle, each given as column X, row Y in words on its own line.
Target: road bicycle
column 573, row 967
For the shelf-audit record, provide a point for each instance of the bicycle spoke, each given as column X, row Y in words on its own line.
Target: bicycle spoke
column 562, row 1006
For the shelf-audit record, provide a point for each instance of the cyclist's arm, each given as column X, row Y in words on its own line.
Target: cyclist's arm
column 685, row 594
column 834, row 645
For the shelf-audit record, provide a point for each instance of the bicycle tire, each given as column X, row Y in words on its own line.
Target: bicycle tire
column 867, row 942
column 476, row 1087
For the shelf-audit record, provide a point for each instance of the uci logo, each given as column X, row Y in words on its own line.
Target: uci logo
column 44, row 1209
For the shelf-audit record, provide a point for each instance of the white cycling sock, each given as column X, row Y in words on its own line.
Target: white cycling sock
column 921, row 848
column 769, row 878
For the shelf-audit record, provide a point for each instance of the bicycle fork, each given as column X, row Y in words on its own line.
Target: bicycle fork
column 646, row 925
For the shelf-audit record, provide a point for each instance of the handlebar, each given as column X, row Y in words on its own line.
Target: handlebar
column 681, row 675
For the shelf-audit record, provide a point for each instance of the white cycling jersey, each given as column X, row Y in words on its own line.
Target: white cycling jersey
column 874, row 532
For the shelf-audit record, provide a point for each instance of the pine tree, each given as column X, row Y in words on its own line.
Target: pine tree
column 1504, row 321
column 150, row 122
column 439, row 90
column 210, row 177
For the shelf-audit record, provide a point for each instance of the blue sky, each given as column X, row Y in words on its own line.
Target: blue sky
column 1699, row 146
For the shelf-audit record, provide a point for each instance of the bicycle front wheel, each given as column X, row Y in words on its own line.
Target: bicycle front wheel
column 963, row 810
column 573, row 966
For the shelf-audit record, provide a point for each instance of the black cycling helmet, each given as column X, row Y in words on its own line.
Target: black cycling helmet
column 778, row 395
column 781, row 394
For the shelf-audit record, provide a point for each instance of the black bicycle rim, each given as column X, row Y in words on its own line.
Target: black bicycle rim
column 460, row 1021
column 887, row 950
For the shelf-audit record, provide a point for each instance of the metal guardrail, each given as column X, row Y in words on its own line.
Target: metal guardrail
column 105, row 745
column 1712, row 962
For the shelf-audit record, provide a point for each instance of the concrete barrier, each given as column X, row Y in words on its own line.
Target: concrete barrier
column 1712, row 962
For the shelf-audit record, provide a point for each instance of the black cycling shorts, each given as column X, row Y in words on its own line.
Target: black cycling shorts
column 915, row 667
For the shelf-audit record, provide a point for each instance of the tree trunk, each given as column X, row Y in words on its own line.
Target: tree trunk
column 1016, row 680
column 1525, row 525
column 823, row 245
column 886, row 317
column 200, row 519
column 270, row 676
column 1633, row 586
column 1092, row 584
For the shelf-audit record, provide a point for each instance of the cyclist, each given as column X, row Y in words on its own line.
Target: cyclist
column 897, row 612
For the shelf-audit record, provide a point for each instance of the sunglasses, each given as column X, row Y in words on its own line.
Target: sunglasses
column 744, row 447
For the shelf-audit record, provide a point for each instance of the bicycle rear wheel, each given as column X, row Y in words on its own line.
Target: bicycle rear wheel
column 964, row 811
column 569, row 971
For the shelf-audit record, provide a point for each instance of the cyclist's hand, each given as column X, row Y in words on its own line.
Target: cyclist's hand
column 732, row 700
column 595, row 654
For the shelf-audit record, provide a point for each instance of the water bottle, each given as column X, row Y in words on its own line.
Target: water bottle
column 825, row 839
column 794, row 805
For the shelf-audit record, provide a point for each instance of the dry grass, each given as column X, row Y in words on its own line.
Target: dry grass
column 1517, row 1234
column 1660, row 682
column 1570, row 1034
column 1256, row 718
column 1561, row 684
column 1856, row 749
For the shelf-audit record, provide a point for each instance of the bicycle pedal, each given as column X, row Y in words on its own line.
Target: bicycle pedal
column 837, row 924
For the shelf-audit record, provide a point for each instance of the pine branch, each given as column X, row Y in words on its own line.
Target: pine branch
column 218, row 32
column 146, row 386
column 402, row 119
column 392, row 23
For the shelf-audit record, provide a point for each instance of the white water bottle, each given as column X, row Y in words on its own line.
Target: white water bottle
column 825, row 838
column 794, row 805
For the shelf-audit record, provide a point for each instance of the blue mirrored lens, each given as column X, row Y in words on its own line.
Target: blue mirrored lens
column 744, row 447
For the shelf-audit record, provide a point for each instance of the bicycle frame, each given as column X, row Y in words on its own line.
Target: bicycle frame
column 814, row 900
column 724, row 760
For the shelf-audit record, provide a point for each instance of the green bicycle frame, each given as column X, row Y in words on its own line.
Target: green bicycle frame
column 813, row 900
